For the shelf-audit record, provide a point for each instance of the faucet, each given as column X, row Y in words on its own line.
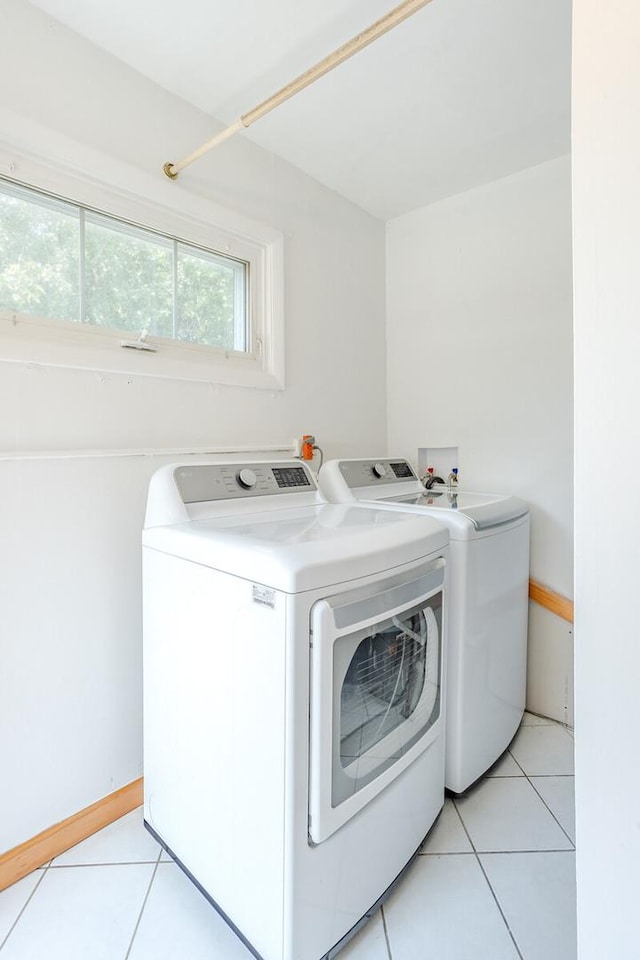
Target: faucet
column 430, row 478
column 452, row 479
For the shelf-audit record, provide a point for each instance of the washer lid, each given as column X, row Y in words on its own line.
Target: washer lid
column 394, row 485
column 484, row 510
column 304, row 547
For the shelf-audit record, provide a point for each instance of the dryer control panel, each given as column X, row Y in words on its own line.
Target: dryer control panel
column 369, row 473
column 204, row 482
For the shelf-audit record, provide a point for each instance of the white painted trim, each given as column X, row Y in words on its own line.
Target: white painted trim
column 290, row 449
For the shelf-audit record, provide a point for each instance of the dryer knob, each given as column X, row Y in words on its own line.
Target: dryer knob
column 379, row 470
column 247, row 479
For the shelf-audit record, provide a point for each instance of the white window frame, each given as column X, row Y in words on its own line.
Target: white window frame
column 171, row 210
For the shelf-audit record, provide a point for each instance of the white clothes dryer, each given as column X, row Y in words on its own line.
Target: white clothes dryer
column 488, row 611
column 293, row 697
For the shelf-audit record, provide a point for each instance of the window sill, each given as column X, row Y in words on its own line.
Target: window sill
column 27, row 339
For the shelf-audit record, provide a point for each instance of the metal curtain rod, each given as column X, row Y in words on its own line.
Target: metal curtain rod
column 347, row 50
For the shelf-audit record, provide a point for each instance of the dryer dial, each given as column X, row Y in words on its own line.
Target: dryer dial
column 247, row 478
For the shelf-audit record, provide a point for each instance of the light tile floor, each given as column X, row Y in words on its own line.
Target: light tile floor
column 494, row 881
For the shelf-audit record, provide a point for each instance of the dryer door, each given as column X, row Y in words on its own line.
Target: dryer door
column 375, row 690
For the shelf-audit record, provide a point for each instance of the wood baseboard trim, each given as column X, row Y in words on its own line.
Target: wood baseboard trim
column 34, row 853
column 551, row 600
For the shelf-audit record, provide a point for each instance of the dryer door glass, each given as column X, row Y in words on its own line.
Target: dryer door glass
column 376, row 674
column 386, row 694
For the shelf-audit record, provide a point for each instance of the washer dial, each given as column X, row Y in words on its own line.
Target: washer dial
column 379, row 470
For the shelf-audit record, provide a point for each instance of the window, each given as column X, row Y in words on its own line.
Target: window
column 65, row 262
column 202, row 299
column 39, row 256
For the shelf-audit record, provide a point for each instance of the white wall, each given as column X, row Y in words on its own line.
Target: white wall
column 69, row 547
column 479, row 357
column 606, row 191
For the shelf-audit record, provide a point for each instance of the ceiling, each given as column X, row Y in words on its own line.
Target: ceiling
column 461, row 93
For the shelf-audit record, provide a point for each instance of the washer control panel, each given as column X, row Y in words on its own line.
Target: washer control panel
column 201, row 483
column 369, row 473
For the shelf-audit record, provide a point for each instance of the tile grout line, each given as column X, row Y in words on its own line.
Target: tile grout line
column 484, row 873
column 518, row 765
column 503, row 853
column 386, row 933
column 497, row 902
column 528, row 778
column 573, row 846
column 103, row 863
column 454, row 801
column 548, row 776
column 546, row 805
column 144, row 903
column 27, row 902
column 449, row 853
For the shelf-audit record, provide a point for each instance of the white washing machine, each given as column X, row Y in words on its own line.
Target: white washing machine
column 293, row 698
column 489, row 586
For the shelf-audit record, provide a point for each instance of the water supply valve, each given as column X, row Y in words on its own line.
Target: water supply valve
column 308, row 443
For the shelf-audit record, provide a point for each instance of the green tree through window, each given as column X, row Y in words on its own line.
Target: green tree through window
column 63, row 262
